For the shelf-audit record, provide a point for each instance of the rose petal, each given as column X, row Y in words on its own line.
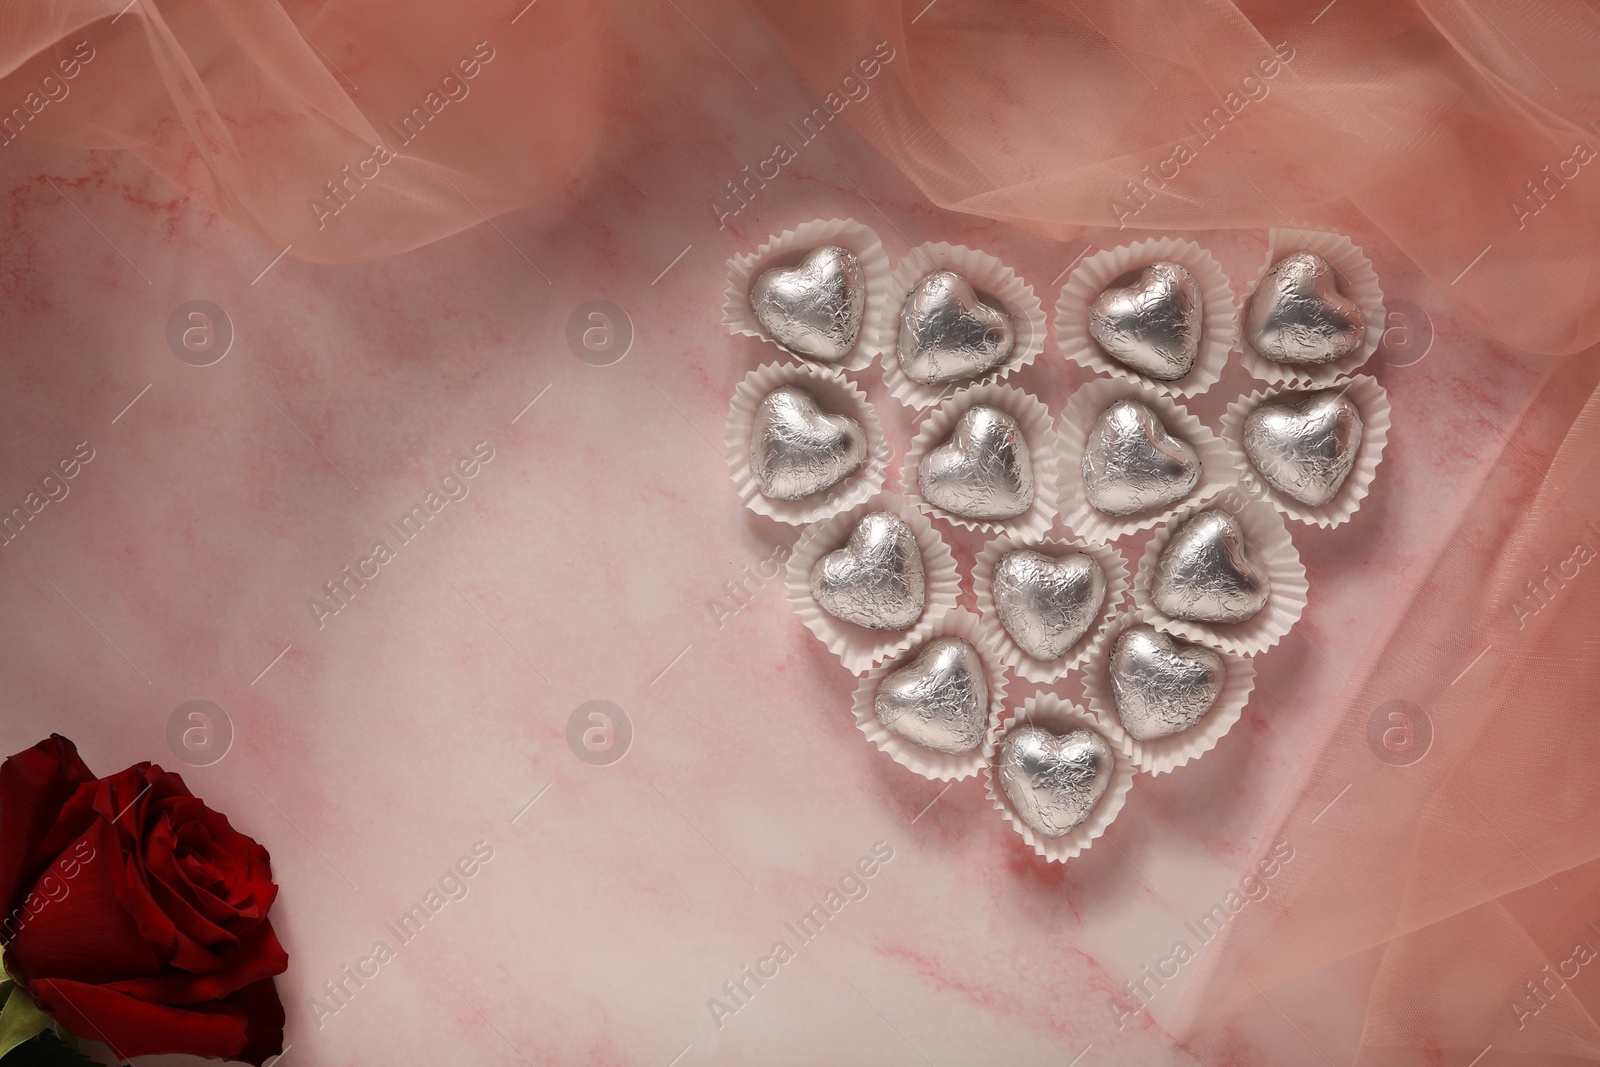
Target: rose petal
column 86, row 934
column 34, row 785
column 133, row 1027
column 258, row 955
column 264, row 1038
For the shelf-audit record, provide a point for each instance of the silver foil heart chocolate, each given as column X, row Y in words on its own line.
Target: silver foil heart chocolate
column 1153, row 325
column 797, row 449
column 1162, row 685
column 1305, row 449
column 1205, row 574
column 940, row 700
column 813, row 309
column 983, row 470
column 1047, row 603
column 1298, row 314
column 876, row 580
column 948, row 334
column 1132, row 463
column 1054, row 782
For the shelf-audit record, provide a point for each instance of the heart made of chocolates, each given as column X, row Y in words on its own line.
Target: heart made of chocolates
column 1047, row 603
column 876, row 580
column 1153, row 325
column 1298, row 315
column 1054, row 782
column 813, row 309
column 983, row 470
column 1162, row 685
column 948, row 334
column 1205, row 574
column 1305, row 449
column 1132, row 463
column 797, row 449
column 940, row 700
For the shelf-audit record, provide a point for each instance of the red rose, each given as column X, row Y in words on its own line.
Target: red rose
column 134, row 914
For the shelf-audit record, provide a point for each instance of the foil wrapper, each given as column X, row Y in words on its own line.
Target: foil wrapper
column 1298, row 315
column 813, row 309
column 1205, row 574
column 876, row 580
column 940, row 700
column 948, row 334
column 1154, row 340
column 1162, row 685
column 1133, row 464
column 1305, row 449
column 983, row 470
column 797, row 449
column 1154, row 325
column 1054, row 781
column 1047, row 603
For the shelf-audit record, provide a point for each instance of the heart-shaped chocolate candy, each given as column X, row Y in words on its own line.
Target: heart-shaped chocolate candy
column 947, row 334
column 813, row 309
column 876, row 579
column 1153, row 325
column 1054, row 782
column 940, row 700
column 1047, row 603
column 1162, row 685
column 1205, row 575
column 1305, row 449
column 983, row 470
column 1298, row 314
column 1132, row 463
column 797, row 449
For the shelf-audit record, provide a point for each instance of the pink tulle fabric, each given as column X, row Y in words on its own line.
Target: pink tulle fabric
column 317, row 126
column 1454, row 896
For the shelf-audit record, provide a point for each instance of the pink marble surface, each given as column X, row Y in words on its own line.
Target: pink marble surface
column 374, row 750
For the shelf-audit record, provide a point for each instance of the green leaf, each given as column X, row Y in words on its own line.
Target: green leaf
column 20, row 1020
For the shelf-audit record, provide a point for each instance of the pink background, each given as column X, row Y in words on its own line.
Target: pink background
column 427, row 715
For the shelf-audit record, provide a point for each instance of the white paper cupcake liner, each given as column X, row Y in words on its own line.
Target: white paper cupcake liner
column 790, row 247
column 1219, row 319
column 1032, row 417
column 941, row 766
column 1056, row 715
column 1268, row 543
column 858, row 647
column 1373, row 403
column 1034, row 670
column 995, row 282
column 1356, row 279
column 1084, row 406
column 1166, row 753
column 836, row 395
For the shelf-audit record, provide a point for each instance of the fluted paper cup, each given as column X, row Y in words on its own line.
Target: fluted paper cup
column 940, row 766
column 858, row 647
column 834, row 394
column 1111, row 564
column 1084, row 406
column 1032, row 418
column 1050, row 712
column 1356, row 280
column 789, row 248
column 1373, row 403
column 1268, row 544
column 1118, row 268
column 1167, row 753
column 994, row 282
